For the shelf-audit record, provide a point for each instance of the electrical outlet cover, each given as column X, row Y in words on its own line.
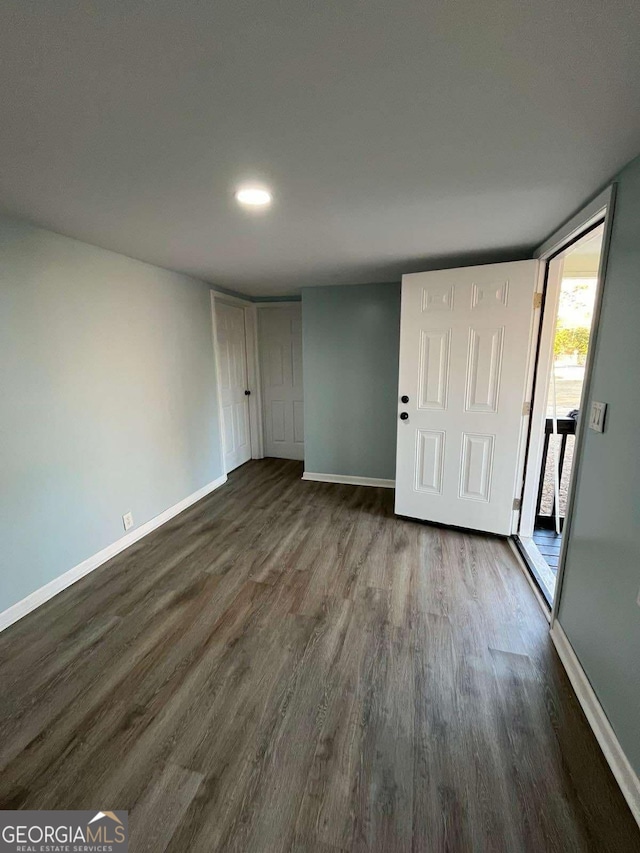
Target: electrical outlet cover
column 127, row 520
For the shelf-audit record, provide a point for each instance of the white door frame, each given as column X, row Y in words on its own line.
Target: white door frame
column 601, row 207
column 284, row 303
column 253, row 370
column 539, row 372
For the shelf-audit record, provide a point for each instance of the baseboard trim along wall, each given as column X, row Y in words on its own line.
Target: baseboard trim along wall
column 624, row 773
column 39, row 596
column 349, row 480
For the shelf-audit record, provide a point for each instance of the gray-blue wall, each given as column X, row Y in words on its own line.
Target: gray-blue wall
column 107, row 400
column 598, row 609
column 351, row 339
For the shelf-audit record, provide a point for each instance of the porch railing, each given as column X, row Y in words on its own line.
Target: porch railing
column 566, row 427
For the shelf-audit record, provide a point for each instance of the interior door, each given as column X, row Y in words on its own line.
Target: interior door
column 232, row 373
column 464, row 345
column 280, row 333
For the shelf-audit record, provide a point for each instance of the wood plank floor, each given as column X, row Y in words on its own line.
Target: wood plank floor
column 288, row 667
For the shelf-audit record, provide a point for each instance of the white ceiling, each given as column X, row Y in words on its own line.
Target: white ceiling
column 395, row 135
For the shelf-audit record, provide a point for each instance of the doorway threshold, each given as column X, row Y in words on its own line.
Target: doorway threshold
column 543, row 575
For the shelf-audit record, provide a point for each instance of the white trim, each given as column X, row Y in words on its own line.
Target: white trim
column 601, row 206
column 536, row 316
column 525, row 571
column 232, row 300
column 581, row 426
column 551, row 280
column 624, row 773
column 541, row 571
column 283, row 303
column 578, row 223
column 541, row 353
column 39, row 596
column 349, row 480
column 248, row 302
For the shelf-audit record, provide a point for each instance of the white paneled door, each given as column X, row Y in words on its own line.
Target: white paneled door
column 464, row 346
column 280, row 332
column 232, row 373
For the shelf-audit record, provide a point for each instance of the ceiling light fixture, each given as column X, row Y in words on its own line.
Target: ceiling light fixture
column 252, row 196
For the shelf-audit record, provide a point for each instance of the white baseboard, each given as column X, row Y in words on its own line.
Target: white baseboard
column 349, row 480
column 39, row 596
column 624, row 773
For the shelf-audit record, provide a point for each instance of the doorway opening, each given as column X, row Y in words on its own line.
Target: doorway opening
column 570, row 299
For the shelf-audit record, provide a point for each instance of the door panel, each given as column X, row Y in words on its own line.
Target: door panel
column 429, row 461
column 232, row 373
column 433, row 377
column 483, row 369
column 280, row 331
column 476, row 466
column 464, row 345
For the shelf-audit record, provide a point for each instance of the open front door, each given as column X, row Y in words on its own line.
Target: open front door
column 464, row 344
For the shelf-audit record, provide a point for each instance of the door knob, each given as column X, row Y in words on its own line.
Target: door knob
column 246, row 393
column 404, row 416
column 404, row 399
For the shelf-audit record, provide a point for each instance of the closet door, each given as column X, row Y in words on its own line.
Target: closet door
column 280, row 336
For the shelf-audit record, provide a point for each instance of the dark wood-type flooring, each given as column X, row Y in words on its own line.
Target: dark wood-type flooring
column 288, row 667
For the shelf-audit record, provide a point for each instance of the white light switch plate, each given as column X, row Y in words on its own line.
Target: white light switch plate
column 127, row 520
column 597, row 416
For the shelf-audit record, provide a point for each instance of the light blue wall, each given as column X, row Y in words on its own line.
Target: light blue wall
column 351, row 339
column 598, row 609
column 107, row 401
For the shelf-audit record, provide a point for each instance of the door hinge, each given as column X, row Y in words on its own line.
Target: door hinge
column 526, row 408
column 537, row 300
column 517, row 503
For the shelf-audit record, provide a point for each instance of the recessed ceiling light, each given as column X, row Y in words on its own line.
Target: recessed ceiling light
column 251, row 196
